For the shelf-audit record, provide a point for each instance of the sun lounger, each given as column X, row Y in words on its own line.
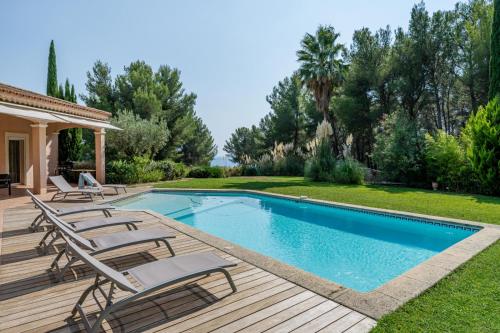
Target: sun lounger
column 89, row 178
column 104, row 243
column 105, row 209
column 64, row 189
column 82, row 225
column 151, row 277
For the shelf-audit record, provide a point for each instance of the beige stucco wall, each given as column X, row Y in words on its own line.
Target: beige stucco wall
column 9, row 124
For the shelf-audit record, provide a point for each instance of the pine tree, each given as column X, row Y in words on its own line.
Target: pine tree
column 495, row 52
column 52, row 89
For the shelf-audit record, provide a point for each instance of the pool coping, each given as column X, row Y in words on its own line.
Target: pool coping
column 376, row 303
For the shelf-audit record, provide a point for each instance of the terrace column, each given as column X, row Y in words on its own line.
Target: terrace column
column 100, row 160
column 39, row 157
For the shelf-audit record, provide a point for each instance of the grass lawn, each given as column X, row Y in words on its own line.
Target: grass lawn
column 466, row 301
column 462, row 206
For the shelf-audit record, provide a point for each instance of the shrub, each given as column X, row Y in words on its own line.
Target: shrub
column 123, row 172
column 233, row 171
column 171, row 170
column 143, row 170
column 249, row 171
column 349, row 171
column 206, row 172
column 290, row 165
column 398, row 149
column 483, row 151
column 180, row 170
column 264, row 165
column 321, row 166
column 445, row 159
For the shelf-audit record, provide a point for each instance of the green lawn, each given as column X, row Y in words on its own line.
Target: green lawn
column 462, row 206
column 466, row 301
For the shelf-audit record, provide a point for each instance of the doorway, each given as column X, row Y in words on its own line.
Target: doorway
column 16, row 157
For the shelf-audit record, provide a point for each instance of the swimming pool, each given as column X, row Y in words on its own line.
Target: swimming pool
column 357, row 249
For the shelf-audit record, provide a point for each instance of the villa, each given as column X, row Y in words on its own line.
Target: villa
column 29, row 128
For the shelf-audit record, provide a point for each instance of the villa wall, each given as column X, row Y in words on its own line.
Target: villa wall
column 15, row 125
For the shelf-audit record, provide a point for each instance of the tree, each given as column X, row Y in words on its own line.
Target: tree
column 200, row 149
column 100, row 88
column 483, row 151
column 443, row 69
column 410, row 62
column 139, row 137
column 286, row 121
column 152, row 95
column 398, row 149
column 244, row 143
column 495, row 53
column 473, row 44
column 367, row 92
column 71, row 146
column 321, row 70
column 52, row 88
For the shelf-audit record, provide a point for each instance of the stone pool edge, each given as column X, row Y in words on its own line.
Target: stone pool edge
column 376, row 303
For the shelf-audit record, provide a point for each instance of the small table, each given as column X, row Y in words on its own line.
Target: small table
column 5, row 182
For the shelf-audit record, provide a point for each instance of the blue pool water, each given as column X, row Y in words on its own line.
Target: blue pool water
column 359, row 250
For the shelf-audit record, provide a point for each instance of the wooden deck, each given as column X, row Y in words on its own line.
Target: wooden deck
column 31, row 300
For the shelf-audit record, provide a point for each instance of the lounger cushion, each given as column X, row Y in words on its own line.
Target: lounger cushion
column 174, row 268
column 118, row 239
column 102, row 222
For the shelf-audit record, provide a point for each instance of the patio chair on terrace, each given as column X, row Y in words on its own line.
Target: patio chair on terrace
column 89, row 179
column 105, row 209
column 151, row 277
column 105, row 243
column 64, row 189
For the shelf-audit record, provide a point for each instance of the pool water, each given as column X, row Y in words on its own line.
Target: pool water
column 356, row 249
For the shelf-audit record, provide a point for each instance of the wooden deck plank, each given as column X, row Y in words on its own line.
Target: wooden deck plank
column 32, row 301
column 304, row 317
column 282, row 316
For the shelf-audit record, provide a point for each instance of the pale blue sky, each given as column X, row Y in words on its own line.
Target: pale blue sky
column 231, row 53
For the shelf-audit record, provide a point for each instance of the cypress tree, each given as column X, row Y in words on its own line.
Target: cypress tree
column 495, row 52
column 67, row 91
column 73, row 95
column 60, row 92
column 52, row 89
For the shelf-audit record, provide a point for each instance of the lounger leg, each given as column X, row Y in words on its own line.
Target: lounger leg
column 229, row 279
column 36, row 222
column 106, row 213
column 44, row 238
column 55, row 195
column 65, row 268
column 167, row 244
column 56, row 259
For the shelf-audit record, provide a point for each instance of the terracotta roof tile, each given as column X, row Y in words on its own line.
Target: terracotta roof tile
column 20, row 96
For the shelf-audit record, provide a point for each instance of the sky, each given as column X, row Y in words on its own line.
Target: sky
column 230, row 53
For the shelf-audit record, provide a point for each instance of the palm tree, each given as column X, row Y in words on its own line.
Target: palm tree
column 322, row 69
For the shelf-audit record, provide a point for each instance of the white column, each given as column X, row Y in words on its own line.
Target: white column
column 39, row 157
column 100, row 159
